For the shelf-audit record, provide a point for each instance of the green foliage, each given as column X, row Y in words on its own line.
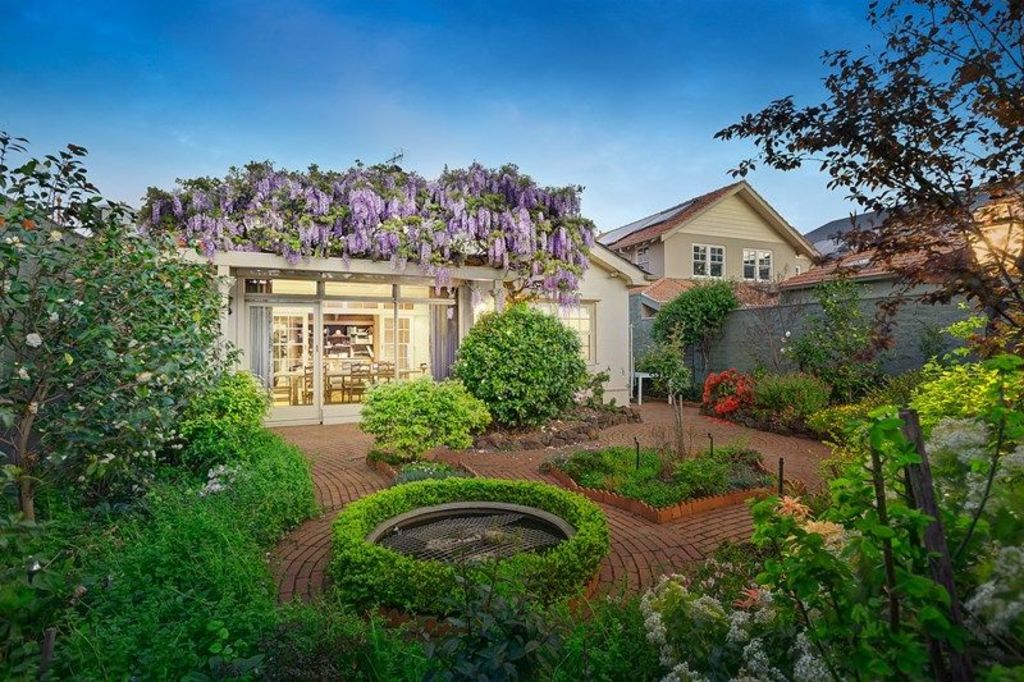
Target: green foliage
column 366, row 573
column 220, row 424
column 179, row 586
column 662, row 480
column 524, row 364
column 326, row 640
column 695, row 316
column 490, row 635
column 962, row 390
column 422, row 471
column 666, row 363
column 836, row 345
column 410, row 417
column 106, row 335
column 783, row 402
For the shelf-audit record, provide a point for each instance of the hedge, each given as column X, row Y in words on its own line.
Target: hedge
column 367, row 574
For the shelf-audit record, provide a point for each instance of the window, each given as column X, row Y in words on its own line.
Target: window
column 642, row 257
column 757, row 265
column 708, row 261
column 387, row 349
column 647, row 312
column 582, row 320
column 797, row 270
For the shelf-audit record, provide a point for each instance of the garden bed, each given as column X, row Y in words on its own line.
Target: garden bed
column 579, row 425
column 663, row 489
column 429, row 468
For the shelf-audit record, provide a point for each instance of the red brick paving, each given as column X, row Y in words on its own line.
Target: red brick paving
column 641, row 551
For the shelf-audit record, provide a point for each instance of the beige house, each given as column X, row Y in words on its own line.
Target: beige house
column 320, row 332
column 729, row 233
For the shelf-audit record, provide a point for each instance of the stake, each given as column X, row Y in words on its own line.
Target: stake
column 782, row 467
column 637, row 441
column 712, row 439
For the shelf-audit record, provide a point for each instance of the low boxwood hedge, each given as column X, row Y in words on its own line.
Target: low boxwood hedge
column 368, row 574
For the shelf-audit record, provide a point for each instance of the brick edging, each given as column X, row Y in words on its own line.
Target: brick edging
column 649, row 512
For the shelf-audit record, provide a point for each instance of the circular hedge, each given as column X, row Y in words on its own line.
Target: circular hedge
column 369, row 574
column 523, row 363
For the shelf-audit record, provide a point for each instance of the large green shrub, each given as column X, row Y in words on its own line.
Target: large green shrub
column 695, row 315
column 219, row 425
column 786, row 401
column 411, row 417
column 523, row 363
column 367, row 573
column 178, row 586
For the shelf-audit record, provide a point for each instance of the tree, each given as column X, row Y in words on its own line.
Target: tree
column 695, row 317
column 925, row 130
column 105, row 334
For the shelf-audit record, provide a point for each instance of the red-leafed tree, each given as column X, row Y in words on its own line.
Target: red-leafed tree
column 928, row 129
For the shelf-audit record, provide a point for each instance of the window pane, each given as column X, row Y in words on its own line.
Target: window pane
column 765, row 267
column 371, row 289
column 749, row 264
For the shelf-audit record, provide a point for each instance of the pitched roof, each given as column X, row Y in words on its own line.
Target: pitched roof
column 857, row 265
column 662, row 221
column 827, row 238
column 665, row 289
column 634, row 275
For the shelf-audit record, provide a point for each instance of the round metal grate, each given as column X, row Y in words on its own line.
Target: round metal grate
column 464, row 531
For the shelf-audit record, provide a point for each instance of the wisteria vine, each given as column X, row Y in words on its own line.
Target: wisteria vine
column 498, row 217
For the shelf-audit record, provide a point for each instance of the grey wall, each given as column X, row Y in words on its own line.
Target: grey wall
column 752, row 338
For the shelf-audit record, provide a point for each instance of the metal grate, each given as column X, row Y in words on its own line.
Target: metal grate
column 464, row 536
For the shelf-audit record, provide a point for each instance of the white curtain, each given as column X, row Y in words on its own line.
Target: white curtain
column 261, row 326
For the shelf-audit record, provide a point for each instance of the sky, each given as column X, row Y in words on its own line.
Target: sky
column 622, row 98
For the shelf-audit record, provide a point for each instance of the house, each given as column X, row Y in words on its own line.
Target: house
column 729, row 233
column 320, row 331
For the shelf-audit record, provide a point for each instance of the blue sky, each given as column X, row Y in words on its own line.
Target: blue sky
column 621, row 97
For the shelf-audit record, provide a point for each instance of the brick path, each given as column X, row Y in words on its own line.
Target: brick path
column 641, row 551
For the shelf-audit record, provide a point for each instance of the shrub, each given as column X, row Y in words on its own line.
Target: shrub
column 524, row 364
column 184, row 587
column 727, row 392
column 962, row 390
column 694, row 317
column 666, row 364
column 408, row 418
column 366, row 573
column 785, row 401
column 837, row 345
column 219, row 426
column 423, row 471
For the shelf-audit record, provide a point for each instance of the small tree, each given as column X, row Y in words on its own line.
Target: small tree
column 695, row 317
column 666, row 363
column 923, row 130
column 105, row 334
column 836, row 344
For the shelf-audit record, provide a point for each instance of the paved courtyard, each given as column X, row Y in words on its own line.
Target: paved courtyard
column 641, row 551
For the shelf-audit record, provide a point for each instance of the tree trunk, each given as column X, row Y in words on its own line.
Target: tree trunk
column 26, row 497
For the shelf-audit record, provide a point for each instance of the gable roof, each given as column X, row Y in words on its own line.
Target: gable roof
column 665, row 289
column 827, row 238
column 615, row 263
column 662, row 224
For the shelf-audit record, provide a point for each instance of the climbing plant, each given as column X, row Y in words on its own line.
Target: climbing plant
column 498, row 217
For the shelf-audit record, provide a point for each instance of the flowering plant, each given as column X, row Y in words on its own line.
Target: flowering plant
column 499, row 217
column 727, row 392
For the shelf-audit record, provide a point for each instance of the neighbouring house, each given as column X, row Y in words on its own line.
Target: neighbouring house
column 728, row 233
column 321, row 331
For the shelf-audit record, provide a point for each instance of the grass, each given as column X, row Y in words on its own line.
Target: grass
column 662, row 480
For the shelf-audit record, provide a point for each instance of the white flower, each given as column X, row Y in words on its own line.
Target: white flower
column 33, row 340
column 23, row 373
column 56, row 235
column 788, row 334
column 143, row 377
column 54, row 317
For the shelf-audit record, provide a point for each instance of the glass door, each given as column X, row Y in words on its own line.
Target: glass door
column 284, row 352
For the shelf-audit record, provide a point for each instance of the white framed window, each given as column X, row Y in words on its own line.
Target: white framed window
column 708, row 260
column 642, row 257
column 797, row 270
column 582, row 319
column 757, row 265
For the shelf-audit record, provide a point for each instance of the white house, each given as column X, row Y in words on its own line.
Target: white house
column 321, row 331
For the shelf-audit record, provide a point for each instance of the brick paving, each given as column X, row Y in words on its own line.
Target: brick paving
column 641, row 551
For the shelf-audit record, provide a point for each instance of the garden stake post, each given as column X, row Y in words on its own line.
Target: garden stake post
column 711, row 438
column 636, row 440
column 939, row 563
column 782, row 466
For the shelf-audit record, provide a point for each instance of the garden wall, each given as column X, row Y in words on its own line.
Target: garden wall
column 752, row 337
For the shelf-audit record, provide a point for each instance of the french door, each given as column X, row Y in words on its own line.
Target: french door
column 284, row 351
